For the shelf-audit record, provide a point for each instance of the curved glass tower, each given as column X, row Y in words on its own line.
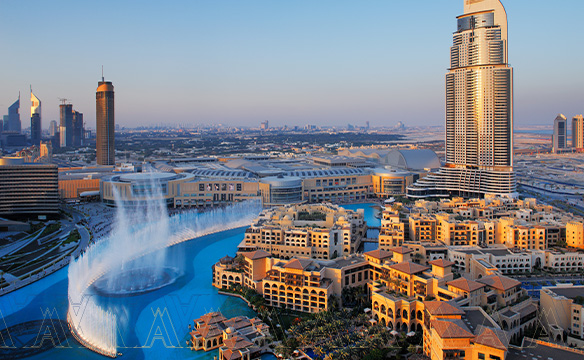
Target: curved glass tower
column 35, row 119
column 479, row 109
column 12, row 120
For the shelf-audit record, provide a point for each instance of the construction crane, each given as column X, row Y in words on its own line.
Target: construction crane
column 63, row 100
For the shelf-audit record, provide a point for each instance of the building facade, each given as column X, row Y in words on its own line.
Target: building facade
column 28, row 189
column 562, row 309
column 181, row 190
column 12, row 120
column 578, row 131
column 322, row 231
column 53, row 128
column 560, row 136
column 77, row 129
column 479, row 109
column 105, row 123
column 35, row 119
column 66, row 125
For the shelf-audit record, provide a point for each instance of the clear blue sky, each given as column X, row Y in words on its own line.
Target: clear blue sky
column 239, row 62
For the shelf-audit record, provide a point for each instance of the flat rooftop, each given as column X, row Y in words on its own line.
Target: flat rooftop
column 532, row 350
column 339, row 263
column 570, row 291
column 473, row 318
column 485, row 264
column 496, row 252
column 474, row 252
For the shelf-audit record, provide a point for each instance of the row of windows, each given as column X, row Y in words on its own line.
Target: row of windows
column 331, row 182
column 217, row 187
column 360, row 276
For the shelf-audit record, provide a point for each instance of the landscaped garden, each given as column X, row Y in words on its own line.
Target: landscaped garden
column 345, row 335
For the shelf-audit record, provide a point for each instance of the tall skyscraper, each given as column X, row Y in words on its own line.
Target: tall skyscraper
column 560, row 138
column 578, row 131
column 105, row 123
column 66, row 125
column 479, row 109
column 35, row 119
column 12, row 120
column 53, row 128
column 78, row 128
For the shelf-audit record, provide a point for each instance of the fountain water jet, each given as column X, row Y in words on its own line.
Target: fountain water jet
column 97, row 328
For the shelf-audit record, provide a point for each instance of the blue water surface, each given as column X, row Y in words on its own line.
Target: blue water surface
column 152, row 325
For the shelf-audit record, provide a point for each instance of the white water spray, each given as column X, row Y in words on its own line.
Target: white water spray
column 137, row 232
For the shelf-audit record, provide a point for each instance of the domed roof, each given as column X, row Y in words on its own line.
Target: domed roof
column 287, row 217
column 414, row 159
column 229, row 330
column 105, row 86
column 226, row 259
column 342, row 218
column 283, row 181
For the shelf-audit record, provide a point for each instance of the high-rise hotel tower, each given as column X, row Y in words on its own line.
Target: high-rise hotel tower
column 479, row 109
column 105, row 124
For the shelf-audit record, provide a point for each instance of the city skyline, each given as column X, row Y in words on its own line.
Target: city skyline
column 240, row 64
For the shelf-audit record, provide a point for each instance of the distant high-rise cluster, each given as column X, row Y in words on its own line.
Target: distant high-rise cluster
column 560, row 134
column 264, row 125
column 105, row 123
column 71, row 126
column 479, row 109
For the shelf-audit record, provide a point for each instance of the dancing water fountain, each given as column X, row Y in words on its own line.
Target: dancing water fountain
column 113, row 266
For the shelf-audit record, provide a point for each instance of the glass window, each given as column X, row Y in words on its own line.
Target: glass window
column 201, row 187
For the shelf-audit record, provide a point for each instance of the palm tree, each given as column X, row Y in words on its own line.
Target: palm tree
column 319, row 351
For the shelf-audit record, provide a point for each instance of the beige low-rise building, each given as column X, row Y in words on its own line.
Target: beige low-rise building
column 560, row 259
column 236, row 338
column 454, row 232
column 500, row 291
column 298, row 284
column 469, row 289
column 422, row 227
column 562, row 309
column 392, row 230
column 452, row 332
column 321, row 231
column 575, row 234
